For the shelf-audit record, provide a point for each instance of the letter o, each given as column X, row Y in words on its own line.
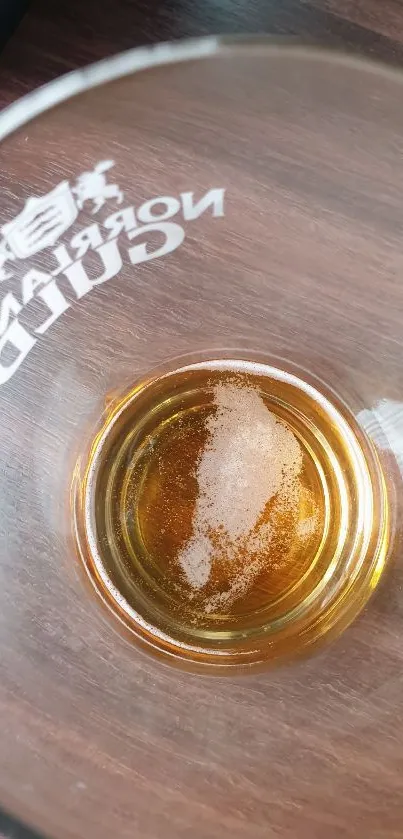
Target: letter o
column 147, row 214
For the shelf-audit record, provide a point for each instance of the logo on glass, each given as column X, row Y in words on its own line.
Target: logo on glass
column 134, row 234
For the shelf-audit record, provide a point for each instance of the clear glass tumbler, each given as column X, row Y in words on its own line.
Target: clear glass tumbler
column 200, row 248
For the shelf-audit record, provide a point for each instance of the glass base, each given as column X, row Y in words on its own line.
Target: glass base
column 231, row 511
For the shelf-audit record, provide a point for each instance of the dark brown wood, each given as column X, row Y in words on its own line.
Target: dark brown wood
column 385, row 19
column 97, row 739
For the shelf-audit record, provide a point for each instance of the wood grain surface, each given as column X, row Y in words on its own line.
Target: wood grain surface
column 54, row 38
column 98, row 739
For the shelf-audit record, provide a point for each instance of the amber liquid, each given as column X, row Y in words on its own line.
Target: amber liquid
column 141, row 493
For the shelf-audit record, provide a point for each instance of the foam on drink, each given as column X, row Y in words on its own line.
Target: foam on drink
column 250, row 459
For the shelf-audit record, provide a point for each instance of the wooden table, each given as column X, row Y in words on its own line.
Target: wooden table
column 294, row 753
column 55, row 38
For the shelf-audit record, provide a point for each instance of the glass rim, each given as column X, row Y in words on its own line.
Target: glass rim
column 139, row 59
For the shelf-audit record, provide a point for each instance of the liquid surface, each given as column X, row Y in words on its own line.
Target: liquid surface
column 230, row 507
column 225, row 500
